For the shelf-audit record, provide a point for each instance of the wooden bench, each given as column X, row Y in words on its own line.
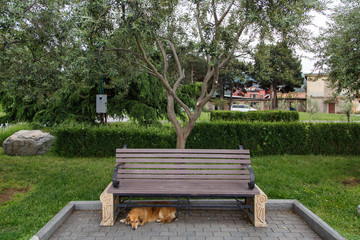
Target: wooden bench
column 182, row 175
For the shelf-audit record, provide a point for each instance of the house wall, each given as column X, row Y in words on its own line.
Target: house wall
column 318, row 89
column 319, row 92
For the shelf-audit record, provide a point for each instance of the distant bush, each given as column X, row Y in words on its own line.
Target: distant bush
column 262, row 138
column 260, row 116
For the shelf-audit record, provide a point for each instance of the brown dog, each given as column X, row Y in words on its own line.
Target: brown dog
column 141, row 215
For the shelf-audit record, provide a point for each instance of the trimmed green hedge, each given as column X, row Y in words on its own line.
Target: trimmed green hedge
column 260, row 137
column 261, row 116
column 87, row 140
column 279, row 138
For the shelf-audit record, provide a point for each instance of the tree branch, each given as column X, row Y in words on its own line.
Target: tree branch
column 163, row 53
column 27, row 9
column 200, row 29
column 125, row 50
column 226, row 13
column 234, row 43
column 178, row 64
column 162, row 79
column 214, row 10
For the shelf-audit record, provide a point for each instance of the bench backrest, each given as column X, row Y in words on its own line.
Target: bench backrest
column 184, row 164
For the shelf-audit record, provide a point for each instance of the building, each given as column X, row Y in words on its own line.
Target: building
column 319, row 91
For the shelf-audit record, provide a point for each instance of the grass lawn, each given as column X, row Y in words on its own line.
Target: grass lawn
column 304, row 116
column 329, row 186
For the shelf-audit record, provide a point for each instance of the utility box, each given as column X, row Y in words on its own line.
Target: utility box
column 101, row 103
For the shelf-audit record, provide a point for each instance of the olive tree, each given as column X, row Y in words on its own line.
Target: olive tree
column 219, row 29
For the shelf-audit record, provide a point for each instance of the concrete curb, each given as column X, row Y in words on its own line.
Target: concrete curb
column 314, row 222
column 49, row 228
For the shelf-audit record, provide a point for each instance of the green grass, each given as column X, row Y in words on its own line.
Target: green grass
column 319, row 182
column 304, row 116
column 204, row 117
column 52, row 182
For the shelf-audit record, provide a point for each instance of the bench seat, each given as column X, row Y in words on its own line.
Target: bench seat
column 154, row 187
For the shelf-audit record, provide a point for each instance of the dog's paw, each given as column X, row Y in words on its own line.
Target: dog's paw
column 123, row 220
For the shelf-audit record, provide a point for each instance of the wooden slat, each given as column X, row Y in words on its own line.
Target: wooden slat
column 177, row 155
column 189, row 188
column 175, row 160
column 146, row 171
column 188, row 177
column 166, row 150
column 178, row 166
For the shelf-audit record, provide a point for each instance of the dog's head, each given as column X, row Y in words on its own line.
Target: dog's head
column 134, row 220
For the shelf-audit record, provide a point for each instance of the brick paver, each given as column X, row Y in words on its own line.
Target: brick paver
column 202, row 225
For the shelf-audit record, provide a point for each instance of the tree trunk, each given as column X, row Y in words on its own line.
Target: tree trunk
column 180, row 141
column 348, row 115
column 192, row 75
column 231, row 94
column 181, row 133
column 273, row 97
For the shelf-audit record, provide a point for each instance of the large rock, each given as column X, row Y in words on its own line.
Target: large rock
column 26, row 142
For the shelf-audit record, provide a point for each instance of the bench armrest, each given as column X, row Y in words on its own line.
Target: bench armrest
column 251, row 184
column 115, row 181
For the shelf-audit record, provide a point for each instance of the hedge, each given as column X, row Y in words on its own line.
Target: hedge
column 101, row 141
column 261, row 116
column 260, row 137
column 279, row 138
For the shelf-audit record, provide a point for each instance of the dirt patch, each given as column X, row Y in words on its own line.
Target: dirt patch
column 352, row 182
column 8, row 193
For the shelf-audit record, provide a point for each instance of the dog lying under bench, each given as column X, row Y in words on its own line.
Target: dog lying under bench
column 141, row 215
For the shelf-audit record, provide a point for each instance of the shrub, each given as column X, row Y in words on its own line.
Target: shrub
column 261, row 116
column 279, row 138
column 88, row 140
column 262, row 138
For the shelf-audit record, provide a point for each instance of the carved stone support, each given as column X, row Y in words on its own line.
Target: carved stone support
column 257, row 216
column 107, row 200
column 259, row 209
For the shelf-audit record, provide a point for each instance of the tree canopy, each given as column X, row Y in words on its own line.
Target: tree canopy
column 339, row 49
column 276, row 65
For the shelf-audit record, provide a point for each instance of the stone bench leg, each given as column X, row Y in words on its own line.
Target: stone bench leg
column 259, row 209
column 107, row 201
column 260, row 200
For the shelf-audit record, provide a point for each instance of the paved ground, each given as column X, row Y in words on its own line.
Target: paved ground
column 202, row 225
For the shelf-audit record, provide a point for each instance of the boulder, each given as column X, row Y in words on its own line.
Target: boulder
column 28, row 142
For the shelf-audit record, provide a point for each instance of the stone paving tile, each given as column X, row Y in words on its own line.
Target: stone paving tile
column 202, row 225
